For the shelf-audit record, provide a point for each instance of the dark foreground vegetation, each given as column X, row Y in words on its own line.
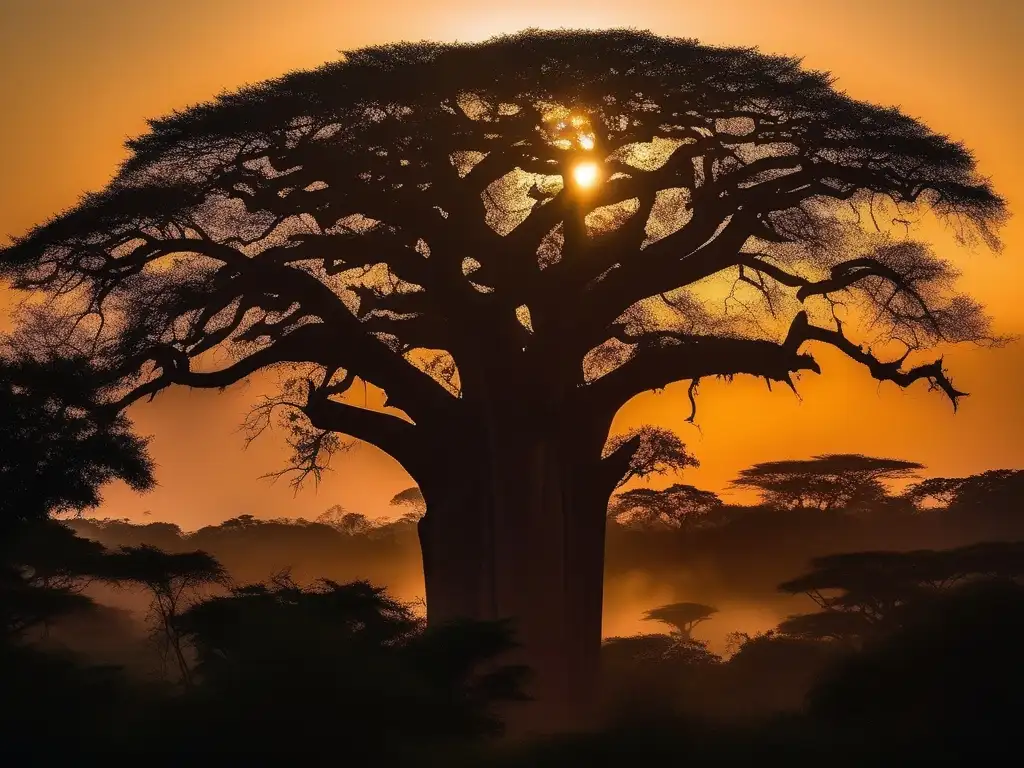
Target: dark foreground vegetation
column 905, row 649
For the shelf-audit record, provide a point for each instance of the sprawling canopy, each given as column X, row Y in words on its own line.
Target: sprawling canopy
column 831, row 481
column 511, row 240
column 606, row 212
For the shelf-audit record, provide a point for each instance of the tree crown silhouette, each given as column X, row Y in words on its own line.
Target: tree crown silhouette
column 408, row 216
column 682, row 617
column 832, row 481
column 510, row 240
column 58, row 444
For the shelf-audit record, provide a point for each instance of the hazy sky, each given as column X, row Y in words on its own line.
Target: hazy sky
column 79, row 77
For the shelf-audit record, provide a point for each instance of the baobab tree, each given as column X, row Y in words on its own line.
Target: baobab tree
column 510, row 240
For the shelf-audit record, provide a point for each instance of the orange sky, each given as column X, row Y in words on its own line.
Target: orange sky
column 79, row 77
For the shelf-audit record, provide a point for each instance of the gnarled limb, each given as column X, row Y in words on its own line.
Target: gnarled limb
column 933, row 372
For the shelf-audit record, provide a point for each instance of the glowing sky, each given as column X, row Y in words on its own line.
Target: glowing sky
column 79, row 77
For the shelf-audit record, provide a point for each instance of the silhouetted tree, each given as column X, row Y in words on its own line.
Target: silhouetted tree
column 59, row 444
column 996, row 487
column 359, row 661
column 411, row 499
column 511, row 240
column 682, row 617
column 652, row 451
column 647, row 678
column 351, row 523
column 983, row 507
column 950, row 679
column 174, row 581
column 864, row 594
column 770, row 673
column 672, row 507
column 833, row 481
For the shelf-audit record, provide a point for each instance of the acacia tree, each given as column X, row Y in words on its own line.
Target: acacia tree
column 174, row 581
column 832, row 481
column 862, row 593
column 682, row 617
column 511, row 240
column 673, row 507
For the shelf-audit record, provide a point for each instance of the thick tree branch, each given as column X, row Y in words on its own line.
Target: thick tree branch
column 933, row 372
column 663, row 359
column 393, row 435
column 345, row 341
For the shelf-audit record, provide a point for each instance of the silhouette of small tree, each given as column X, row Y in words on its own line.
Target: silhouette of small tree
column 865, row 594
column 651, row 451
column 833, row 481
column 511, row 240
column 351, row 523
column 682, row 617
column 672, row 507
column 174, row 581
column 411, row 499
column 1001, row 488
column 363, row 664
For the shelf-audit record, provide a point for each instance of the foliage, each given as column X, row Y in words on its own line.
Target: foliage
column 351, row 523
column 412, row 500
column 682, row 617
column 863, row 594
column 950, row 677
column 322, row 221
column 351, row 658
column 651, row 451
column 833, row 481
column 991, row 486
column 174, row 581
column 58, row 445
column 42, row 578
column 673, row 507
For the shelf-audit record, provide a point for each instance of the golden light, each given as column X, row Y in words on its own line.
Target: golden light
column 586, row 141
column 586, row 174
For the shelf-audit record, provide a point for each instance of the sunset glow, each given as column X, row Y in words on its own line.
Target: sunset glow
column 630, row 367
column 586, row 174
column 102, row 69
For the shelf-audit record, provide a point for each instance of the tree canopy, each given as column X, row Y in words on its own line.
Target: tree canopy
column 996, row 487
column 832, row 481
column 613, row 211
column 58, row 444
column 510, row 240
column 864, row 593
column 682, row 617
column 672, row 507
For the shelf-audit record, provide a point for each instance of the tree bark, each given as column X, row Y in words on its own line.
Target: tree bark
column 517, row 532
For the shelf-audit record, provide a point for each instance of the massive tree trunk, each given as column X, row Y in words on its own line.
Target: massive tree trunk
column 517, row 531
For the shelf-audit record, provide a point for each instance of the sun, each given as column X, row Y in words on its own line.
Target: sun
column 586, row 174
